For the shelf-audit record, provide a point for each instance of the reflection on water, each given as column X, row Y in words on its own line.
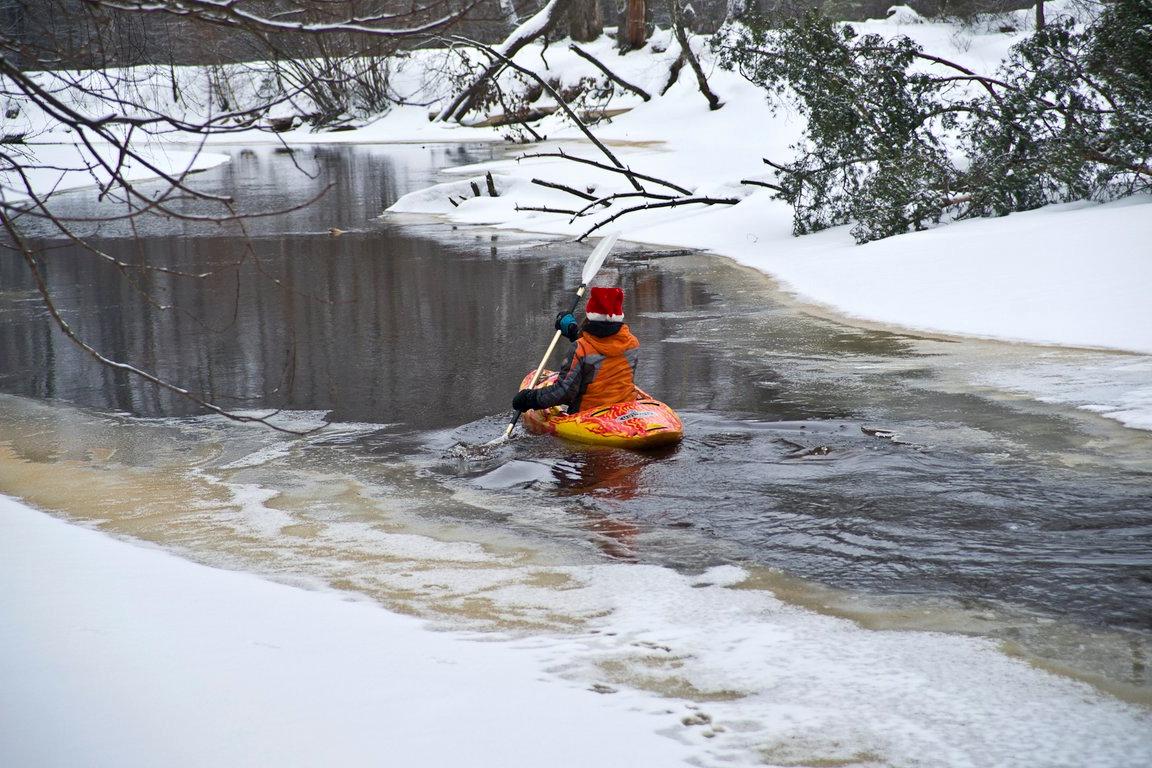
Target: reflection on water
column 858, row 459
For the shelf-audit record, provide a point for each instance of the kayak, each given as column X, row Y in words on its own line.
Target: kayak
column 641, row 423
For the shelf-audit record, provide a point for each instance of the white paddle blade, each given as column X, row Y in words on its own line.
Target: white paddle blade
column 599, row 254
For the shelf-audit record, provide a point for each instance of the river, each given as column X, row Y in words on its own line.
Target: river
column 861, row 472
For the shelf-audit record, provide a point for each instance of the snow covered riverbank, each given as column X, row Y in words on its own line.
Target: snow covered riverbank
column 116, row 655
column 1073, row 275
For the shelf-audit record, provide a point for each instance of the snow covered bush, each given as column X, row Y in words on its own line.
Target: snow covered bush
column 874, row 150
column 1073, row 119
column 898, row 138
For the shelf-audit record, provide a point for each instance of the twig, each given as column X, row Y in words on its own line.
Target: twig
column 545, row 209
column 603, row 167
column 667, row 204
column 564, row 188
column 755, row 183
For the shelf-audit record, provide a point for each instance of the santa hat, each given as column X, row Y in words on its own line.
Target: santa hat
column 605, row 304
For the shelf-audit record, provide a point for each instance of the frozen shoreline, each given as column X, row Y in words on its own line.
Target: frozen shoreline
column 117, row 655
column 152, row 659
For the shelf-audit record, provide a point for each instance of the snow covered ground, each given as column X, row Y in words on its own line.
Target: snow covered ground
column 54, row 168
column 118, row 655
column 115, row 655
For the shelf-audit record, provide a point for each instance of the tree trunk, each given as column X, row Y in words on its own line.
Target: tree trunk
column 585, row 23
column 635, row 29
column 1039, row 15
column 677, row 16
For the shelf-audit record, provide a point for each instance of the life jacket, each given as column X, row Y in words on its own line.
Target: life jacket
column 597, row 372
column 608, row 365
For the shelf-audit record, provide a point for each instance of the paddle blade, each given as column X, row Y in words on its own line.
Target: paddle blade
column 596, row 259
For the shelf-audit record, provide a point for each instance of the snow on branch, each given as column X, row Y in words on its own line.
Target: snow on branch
column 231, row 13
column 531, row 29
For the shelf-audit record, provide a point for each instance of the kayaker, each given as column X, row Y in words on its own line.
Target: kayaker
column 599, row 368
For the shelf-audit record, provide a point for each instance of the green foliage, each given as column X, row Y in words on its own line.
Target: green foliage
column 1074, row 120
column 898, row 139
column 873, row 152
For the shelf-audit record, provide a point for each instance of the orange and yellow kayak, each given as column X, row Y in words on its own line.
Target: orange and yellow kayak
column 640, row 423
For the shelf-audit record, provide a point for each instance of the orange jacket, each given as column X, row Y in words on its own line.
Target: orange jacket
column 599, row 371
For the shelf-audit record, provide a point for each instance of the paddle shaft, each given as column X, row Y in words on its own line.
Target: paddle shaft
column 544, row 360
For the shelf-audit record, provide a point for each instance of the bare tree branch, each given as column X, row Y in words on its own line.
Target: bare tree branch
column 609, row 73
column 586, row 161
column 666, row 204
column 563, row 188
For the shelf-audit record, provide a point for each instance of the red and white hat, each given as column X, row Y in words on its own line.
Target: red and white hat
column 605, row 304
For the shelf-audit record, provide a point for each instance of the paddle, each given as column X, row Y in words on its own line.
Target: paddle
column 591, row 267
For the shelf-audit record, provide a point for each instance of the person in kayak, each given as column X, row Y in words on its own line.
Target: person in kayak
column 600, row 366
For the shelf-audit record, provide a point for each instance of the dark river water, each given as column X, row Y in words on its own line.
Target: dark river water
column 853, row 460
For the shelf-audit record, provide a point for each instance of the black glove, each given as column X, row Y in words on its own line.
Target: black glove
column 567, row 325
column 525, row 400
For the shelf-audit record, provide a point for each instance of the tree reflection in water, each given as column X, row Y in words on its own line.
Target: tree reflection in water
column 601, row 478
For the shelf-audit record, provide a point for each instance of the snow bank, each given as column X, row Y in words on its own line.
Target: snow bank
column 52, row 168
column 1072, row 275
column 112, row 655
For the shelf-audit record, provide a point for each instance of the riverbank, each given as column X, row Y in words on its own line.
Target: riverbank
column 1071, row 275
column 148, row 657
column 120, row 655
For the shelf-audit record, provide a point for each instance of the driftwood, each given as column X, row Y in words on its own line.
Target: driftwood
column 514, row 118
